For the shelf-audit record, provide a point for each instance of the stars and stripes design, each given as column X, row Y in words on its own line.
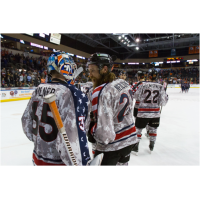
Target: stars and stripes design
column 95, row 96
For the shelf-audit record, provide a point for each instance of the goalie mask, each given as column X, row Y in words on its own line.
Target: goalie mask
column 63, row 64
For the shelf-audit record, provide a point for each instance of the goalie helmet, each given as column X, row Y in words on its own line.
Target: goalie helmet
column 63, row 64
column 152, row 74
column 101, row 60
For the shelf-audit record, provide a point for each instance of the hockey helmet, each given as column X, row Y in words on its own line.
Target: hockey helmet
column 122, row 72
column 140, row 74
column 152, row 74
column 63, row 64
column 101, row 60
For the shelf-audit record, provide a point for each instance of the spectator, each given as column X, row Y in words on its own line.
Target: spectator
column 11, row 79
column 3, row 73
column 3, row 82
column 28, row 78
column 42, row 79
column 21, row 78
column 25, row 78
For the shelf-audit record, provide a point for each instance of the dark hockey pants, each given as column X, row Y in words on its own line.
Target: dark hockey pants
column 119, row 157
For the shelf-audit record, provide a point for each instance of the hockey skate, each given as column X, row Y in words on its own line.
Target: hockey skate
column 151, row 146
column 135, row 148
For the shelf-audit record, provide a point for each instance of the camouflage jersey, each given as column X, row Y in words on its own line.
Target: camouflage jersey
column 113, row 104
column 39, row 126
column 134, row 88
column 151, row 96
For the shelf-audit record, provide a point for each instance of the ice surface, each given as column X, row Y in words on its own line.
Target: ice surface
column 177, row 141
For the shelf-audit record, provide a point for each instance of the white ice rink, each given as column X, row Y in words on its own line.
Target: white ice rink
column 177, row 141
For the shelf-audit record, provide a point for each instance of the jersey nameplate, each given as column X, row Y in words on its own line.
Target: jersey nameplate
column 43, row 91
column 121, row 86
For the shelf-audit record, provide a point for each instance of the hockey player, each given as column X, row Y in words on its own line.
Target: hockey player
column 151, row 96
column 112, row 105
column 165, row 85
column 122, row 75
column 141, row 78
column 38, row 122
column 182, row 86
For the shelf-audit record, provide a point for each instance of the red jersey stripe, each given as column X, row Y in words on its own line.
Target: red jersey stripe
column 97, row 89
column 152, row 134
column 95, row 101
column 41, row 162
column 125, row 133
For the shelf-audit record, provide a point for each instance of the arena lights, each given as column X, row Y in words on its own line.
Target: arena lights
column 22, row 41
column 137, row 40
column 123, row 36
column 133, row 63
column 123, row 63
column 143, row 63
column 46, row 48
column 175, row 61
column 36, row 45
column 119, row 37
column 160, row 62
column 80, row 57
column 137, row 48
column 1, row 36
column 195, row 60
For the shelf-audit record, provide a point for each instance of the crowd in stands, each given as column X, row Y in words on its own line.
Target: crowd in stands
column 21, row 70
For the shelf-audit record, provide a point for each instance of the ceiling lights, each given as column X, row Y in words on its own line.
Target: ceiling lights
column 137, row 48
column 137, row 40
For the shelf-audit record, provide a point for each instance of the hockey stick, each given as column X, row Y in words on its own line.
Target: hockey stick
column 78, row 71
column 50, row 99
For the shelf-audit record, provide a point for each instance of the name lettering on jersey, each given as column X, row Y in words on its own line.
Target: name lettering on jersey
column 121, row 86
column 43, row 91
column 153, row 86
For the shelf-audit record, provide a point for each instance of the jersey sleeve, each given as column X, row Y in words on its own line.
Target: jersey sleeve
column 137, row 92
column 27, row 120
column 105, row 125
column 163, row 99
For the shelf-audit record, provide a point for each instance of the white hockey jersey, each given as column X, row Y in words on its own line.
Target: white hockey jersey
column 112, row 103
column 39, row 126
column 151, row 96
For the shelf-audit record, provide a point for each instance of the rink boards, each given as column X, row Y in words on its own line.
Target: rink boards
column 24, row 93
column 179, row 86
column 16, row 94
